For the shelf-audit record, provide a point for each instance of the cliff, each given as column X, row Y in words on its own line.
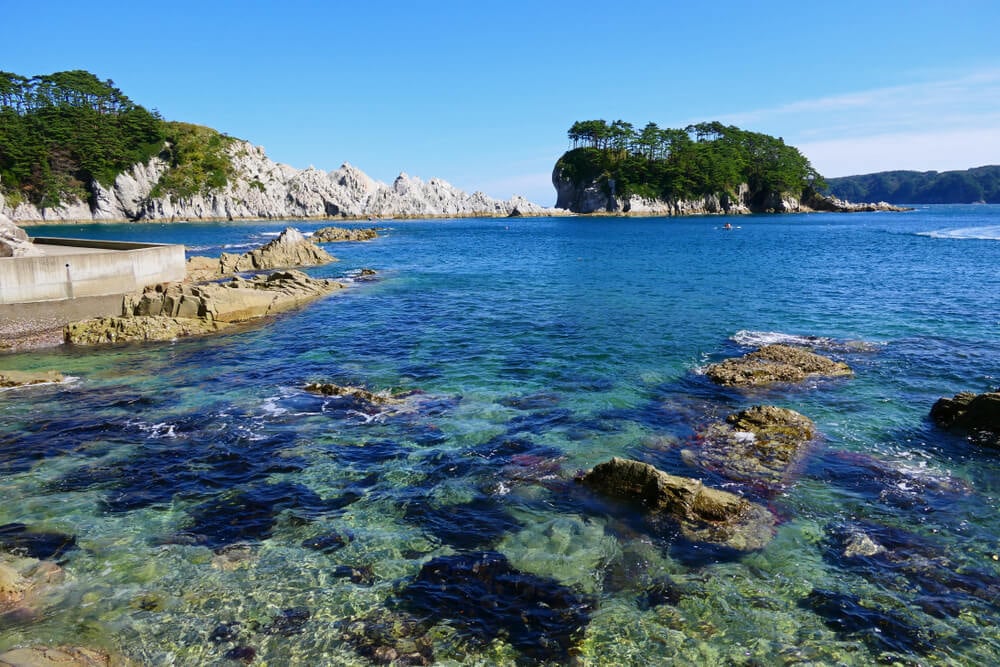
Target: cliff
column 599, row 196
column 261, row 188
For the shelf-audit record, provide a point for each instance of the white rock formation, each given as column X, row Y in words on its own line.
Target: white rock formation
column 266, row 189
column 14, row 240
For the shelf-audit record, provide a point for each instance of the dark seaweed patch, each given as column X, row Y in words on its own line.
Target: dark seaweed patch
column 328, row 542
column 484, row 597
column 289, row 622
column 479, row 523
column 19, row 539
column 248, row 515
column 879, row 628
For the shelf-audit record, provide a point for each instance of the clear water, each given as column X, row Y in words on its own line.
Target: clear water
column 197, row 476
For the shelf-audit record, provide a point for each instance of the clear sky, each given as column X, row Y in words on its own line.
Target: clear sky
column 481, row 93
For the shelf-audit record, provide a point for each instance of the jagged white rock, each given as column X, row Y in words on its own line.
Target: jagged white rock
column 265, row 189
column 14, row 240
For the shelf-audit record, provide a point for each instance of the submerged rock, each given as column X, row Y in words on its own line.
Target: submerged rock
column 977, row 414
column 703, row 514
column 761, row 445
column 484, row 598
column 775, row 363
column 63, row 656
column 389, row 637
column 22, row 378
column 338, row 234
column 19, row 539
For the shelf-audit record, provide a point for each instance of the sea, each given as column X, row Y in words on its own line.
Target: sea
column 205, row 509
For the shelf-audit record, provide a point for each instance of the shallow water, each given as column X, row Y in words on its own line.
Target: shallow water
column 222, row 513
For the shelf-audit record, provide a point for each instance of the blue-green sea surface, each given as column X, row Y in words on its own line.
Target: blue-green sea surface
column 222, row 514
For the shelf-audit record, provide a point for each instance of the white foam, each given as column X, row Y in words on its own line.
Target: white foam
column 747, row 338
column 988, row 233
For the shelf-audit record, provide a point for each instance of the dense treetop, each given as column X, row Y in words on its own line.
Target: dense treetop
column 61, row 132
column 701, row 159
column 981, row 184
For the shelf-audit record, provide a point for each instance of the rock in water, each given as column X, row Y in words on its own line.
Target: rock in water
column 775, row 363
column 759, row 445
column 339, row 234
column 703, row 514
column 978, row 414
column 291, row 249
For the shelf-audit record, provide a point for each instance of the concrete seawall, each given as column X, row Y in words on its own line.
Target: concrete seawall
column 72, row 269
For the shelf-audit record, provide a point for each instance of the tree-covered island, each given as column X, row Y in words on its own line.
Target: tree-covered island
column 665, row 164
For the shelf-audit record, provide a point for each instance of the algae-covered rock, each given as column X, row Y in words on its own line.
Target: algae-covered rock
column 358, row 393
column 761, row 445
column 703, row 514
column 775, row 363
column 978, row 414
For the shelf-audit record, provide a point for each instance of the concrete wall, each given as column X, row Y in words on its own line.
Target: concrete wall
column 74, row 268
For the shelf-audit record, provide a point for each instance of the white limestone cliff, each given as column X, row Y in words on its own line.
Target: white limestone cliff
column 265, row 189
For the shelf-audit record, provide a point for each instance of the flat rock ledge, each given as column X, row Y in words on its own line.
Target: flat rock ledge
column 762, row 445
column 978, row 414
column 168, row 312
column 704, row 514
column 340, row 234
column 775, row 363
column 22, row 378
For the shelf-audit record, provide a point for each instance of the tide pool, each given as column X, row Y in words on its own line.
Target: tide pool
column 223, row 514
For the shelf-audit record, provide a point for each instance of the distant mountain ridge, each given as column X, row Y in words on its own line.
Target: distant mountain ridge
column 969, row 186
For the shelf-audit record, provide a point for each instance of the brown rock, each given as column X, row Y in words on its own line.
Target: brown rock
column 338, row 234
column 775, row 363
column 977, row 413
column 103, row 330
column 704, row 514
column 375, row 398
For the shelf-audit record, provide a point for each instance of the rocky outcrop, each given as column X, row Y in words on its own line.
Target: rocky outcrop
column 600, row 196
column 289, row 249
column 358, row 393
column 338, row 234
column 179, row 310
column 978, row 414
column 813, row 201
column 761, row 445
column 775, row 363
column 14, row 240
column 22, row 378
column 704, row 514
column 265, row 189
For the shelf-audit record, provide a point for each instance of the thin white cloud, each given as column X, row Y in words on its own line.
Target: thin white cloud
column 926, row 151
column 948, row 123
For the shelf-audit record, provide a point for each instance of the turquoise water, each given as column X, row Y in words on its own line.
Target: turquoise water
column 223, row 514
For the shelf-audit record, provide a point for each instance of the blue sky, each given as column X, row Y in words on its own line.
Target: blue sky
column 481, row 94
